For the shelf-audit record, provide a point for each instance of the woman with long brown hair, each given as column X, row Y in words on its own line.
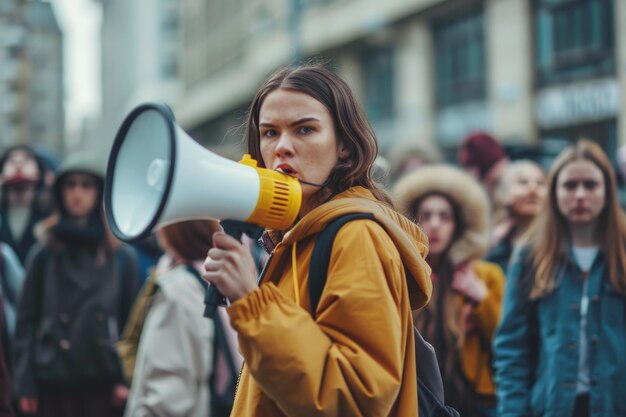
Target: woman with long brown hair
column 354, row 355
column 453, row 210
column 560, row 347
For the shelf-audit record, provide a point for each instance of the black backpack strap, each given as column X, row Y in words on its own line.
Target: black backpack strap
column 320, row 259
column 193, row 271
column 222, row 398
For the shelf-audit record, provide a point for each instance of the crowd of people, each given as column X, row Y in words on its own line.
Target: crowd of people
column 514, row 272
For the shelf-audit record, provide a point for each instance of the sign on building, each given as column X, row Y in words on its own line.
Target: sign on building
column 577, row 103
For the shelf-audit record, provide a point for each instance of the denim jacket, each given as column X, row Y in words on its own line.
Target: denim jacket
column 536, row 346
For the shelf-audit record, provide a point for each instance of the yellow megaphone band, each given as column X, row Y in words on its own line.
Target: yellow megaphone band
column 280, row 198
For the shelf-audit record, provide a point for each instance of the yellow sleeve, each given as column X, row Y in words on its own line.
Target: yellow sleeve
column 349, row 362
column 487, row 312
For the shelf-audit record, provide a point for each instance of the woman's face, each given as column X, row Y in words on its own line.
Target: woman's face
column 526, row 191
column 20, row 165
column 297, row 137
column 80, row 194
column 580, row 192
column 436, row 217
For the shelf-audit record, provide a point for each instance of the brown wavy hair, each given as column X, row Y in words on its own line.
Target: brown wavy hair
column 548, row 236
column 351, row 125
column 191, row 239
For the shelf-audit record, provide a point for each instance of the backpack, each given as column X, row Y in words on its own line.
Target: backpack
column 429, row 383
column 223, row 379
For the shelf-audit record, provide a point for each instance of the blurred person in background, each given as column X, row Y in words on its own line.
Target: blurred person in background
column 148, row 253
column 80, row 285
column 22, row 180
column 406, row 157
column 353, row 355
column 519, row 197
column 459, row 321
column 380, row 171
column 559, row 350
column 11, row 282
column 483, row 156
column 5, row 381
column 175, row 355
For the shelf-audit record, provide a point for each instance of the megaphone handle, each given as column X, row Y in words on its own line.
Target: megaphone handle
column 212, row 299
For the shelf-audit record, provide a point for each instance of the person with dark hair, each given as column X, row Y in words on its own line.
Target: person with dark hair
column 460, row 320
column 21, row 180
column 174, row 357
column 559, row 350
column 354, row 355
column 80, row 285
column 483, row 156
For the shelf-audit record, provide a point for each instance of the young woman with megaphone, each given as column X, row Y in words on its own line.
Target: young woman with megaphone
column 354, row 355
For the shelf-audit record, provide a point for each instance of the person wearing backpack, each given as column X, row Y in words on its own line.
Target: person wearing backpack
column 453, row 210
column 175, row 358
column 355, row 354
column 80, row 284
column 560, row 349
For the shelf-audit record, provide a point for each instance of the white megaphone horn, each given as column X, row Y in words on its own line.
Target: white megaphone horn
column 158, row 175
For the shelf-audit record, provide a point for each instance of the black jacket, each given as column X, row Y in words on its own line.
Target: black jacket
column 70, row 315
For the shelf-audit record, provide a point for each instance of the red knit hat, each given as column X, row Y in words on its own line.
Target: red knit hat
column 480, row 150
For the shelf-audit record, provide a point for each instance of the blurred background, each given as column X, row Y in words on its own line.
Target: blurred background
column 535, row 73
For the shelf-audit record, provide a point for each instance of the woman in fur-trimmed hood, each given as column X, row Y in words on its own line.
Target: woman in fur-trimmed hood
column 453, row 210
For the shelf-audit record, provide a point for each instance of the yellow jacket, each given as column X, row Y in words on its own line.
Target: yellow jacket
column 476, row 351
column 357, row 358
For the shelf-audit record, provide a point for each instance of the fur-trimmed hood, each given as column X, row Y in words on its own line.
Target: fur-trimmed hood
column 465, row 191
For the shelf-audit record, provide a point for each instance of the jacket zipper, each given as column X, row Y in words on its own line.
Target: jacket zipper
column 261, row 276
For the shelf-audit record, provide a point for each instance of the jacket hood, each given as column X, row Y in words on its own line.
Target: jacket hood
column 83, row 162
column 79, row 162
column 465, row 192
column 410, row 241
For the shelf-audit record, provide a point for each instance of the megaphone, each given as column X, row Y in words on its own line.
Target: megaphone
column 157, row 175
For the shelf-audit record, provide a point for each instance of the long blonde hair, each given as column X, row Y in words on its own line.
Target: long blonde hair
column 549, row 234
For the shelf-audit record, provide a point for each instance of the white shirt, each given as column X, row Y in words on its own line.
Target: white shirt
column 584, row 258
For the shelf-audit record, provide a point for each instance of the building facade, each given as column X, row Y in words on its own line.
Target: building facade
column 13, row 76
column 141, row 60
column 536, row 73
column 31, row 76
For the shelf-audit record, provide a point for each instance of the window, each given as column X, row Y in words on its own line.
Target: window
column 170, row 40
column 379, row 83
column 574, row 40
column 460, row 59
column 603, row 133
